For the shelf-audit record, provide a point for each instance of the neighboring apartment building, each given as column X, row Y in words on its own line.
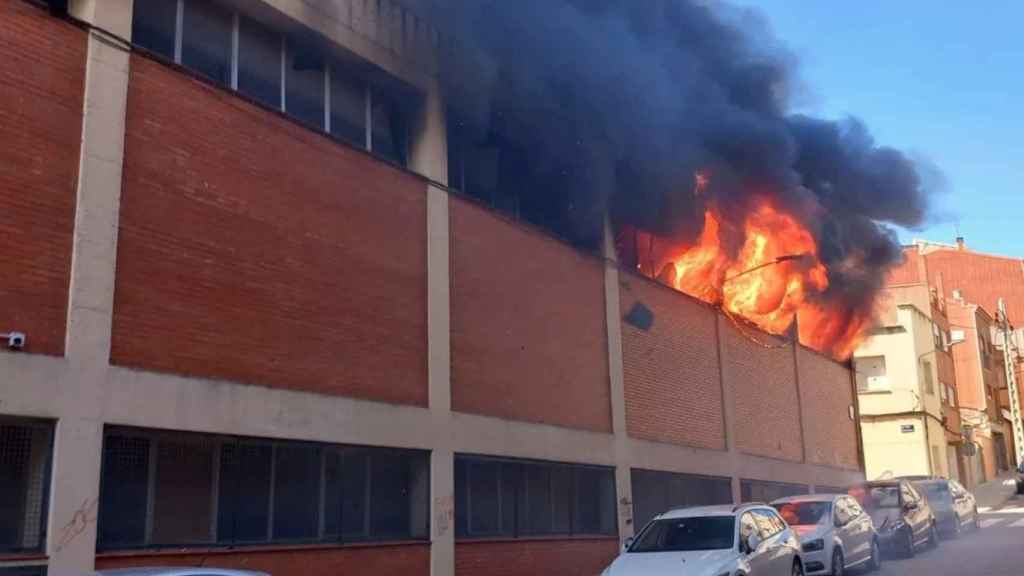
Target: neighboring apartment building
column 980, row 377
column 263, row 333
column 984, row 279
column 906, row 384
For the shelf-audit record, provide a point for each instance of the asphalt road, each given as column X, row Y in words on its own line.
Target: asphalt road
column 995, row 550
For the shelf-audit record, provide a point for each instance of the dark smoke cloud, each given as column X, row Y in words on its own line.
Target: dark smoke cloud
column 623, row 100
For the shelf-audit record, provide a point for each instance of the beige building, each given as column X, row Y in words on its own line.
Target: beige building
column 906, row 385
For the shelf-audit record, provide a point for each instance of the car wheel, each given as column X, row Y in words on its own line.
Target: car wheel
column 933, row 536
column 838, row 564
column 908, row 543
column 798, row 568
column 875, row 563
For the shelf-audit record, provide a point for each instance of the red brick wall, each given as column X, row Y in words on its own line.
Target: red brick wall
column 528, row 331
column 397, row 560
column 981, row 279
column 764, row 387
column 911, row 271
column 42, row 82
column 826, row 399
column 535, row 557
column 252, row 249
column 672, row 379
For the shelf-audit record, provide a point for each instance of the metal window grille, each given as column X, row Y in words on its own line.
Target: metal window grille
column 174, row 489
column 655, row 492
column 765, row 491
column 518, row 498
column 25, row 459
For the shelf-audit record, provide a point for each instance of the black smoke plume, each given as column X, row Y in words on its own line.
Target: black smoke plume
column 614, row 105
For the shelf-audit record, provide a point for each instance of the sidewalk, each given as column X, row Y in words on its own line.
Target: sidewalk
column 996, row 492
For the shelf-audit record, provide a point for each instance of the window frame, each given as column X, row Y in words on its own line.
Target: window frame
column 397, row 99
column 462, row 470
column 322, row 537
column 50, row 428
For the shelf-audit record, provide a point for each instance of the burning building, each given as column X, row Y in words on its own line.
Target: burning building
column 415, row 286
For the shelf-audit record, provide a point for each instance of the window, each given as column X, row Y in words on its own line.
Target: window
column 206, row 40
column 348, row 108
column 871, row 374
column 304, row 84
column 23, row 571
column 927, row 377
column 513, row 498
column 842, row 512
column 804, row 513
column 25, row 453
column 153, row 25
column 748, row 526
column 763, row 491
column 390, row 132
column 259, row 62
column 294, row 76
column 655, row 492
column 178, row 489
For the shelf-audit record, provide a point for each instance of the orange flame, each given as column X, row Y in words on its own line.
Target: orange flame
column 772, row 278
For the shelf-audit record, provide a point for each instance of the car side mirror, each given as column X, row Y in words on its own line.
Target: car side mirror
column 753, row 543
column 627, row 544
column 909, row 506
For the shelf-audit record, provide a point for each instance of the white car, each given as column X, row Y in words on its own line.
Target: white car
column 744, row 540
column 177, row 572
column 835, row 533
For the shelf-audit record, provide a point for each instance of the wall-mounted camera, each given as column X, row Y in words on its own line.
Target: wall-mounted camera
column 15, row 340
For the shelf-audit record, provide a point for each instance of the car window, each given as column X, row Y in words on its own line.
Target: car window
column 685, row 534
column 907, row 493
column 747, row 526
column 768, row 523
column 842, row 511
column 804, row 513
column 853, row 507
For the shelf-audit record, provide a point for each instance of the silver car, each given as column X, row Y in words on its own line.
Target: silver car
column 835, row 532
column 177, row 572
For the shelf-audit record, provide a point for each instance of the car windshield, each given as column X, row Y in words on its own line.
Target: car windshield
column 937, row 492
column 684, row 534
column 804, row 513
column 876, row 497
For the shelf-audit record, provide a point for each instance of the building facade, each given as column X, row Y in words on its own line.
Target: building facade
column 263, row 332
column 906, row 382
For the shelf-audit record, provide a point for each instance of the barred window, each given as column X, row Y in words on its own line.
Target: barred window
column 25, row 454
column 656, row 492
column 518, row 498
column 765, row 491
column 180, row 489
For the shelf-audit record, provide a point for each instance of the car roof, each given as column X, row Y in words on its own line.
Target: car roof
column 179, row 571
column 808, row 498
column 714, row 510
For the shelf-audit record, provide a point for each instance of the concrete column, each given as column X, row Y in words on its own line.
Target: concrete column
column 442, row 484
column 429, row 147
column 613, row 322
column 74, row 501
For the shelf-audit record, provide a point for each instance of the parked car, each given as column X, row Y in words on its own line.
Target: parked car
column 835, row 533
column 749, row 539
column 902, row 516
column 177, row 572
column 954, row 507
column 1020, row 478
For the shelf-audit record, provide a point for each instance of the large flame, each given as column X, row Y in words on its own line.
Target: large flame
column 771, row 277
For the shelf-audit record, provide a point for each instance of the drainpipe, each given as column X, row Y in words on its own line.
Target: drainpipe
column 856, row 419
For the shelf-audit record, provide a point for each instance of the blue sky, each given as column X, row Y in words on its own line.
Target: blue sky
column 940, row 80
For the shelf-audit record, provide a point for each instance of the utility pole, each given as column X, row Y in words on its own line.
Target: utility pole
column 1011, row 384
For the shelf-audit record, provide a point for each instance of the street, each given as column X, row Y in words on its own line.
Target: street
column 995, row 550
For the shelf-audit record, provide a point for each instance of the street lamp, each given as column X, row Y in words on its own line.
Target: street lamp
column 779, row 260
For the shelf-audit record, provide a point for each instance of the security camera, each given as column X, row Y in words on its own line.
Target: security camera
column 15, row 340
